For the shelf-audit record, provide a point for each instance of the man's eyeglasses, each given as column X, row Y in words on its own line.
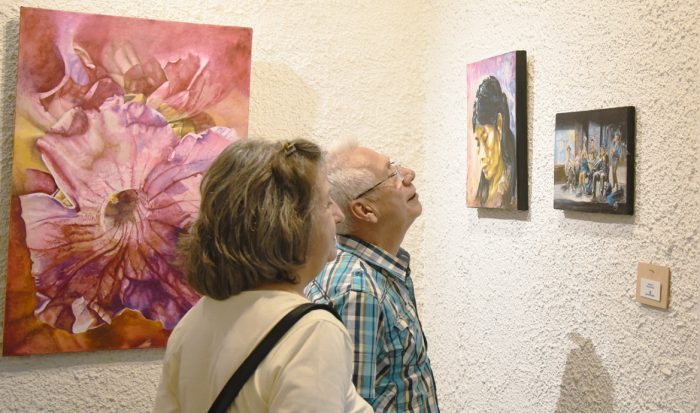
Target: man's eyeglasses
column 396, row 173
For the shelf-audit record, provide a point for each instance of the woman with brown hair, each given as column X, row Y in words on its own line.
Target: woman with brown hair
column 266, row 227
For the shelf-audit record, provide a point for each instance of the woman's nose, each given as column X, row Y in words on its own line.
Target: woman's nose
column 338, row 214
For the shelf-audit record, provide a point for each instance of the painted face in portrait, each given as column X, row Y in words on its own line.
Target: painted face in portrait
column 488, row 146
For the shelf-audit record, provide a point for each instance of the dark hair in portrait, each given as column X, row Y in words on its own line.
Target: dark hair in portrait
column 490, row 101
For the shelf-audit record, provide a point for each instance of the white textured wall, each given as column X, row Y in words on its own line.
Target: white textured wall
column 525, row 312
column 535, row 311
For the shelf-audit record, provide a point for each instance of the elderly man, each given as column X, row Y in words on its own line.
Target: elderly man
column 369, row 283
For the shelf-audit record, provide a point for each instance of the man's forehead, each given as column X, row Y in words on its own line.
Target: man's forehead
column 365, row 157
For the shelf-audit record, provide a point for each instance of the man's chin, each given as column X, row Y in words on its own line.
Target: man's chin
column 416, row 208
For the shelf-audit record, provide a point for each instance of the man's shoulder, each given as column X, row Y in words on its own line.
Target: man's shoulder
column 349, row 273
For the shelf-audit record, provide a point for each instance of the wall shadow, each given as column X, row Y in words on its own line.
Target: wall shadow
column 42, row 362
column 598, row 217
column 504, row 214
column 282, row 104
column 585, row 386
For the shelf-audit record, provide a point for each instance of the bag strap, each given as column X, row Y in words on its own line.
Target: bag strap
column 240, row 377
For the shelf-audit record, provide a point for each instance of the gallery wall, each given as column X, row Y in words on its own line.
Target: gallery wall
column 535, row 311
column 524, row 311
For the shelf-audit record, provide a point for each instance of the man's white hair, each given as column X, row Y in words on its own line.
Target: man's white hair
column 347, row 180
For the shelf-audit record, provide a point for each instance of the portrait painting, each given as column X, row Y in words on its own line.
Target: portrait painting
column 116, row 121
column 594, row 160
column 497, row 132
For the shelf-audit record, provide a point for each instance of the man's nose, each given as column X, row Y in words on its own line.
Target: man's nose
column 408, row 175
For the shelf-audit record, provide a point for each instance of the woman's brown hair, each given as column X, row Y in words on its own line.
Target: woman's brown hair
column 255, row 217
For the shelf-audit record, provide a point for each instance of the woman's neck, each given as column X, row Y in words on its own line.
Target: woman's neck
column 297, row 288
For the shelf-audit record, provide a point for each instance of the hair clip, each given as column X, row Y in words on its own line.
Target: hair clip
column 289, row 148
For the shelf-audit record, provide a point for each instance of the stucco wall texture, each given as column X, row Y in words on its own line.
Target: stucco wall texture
column 526, row 311
column 535, row 311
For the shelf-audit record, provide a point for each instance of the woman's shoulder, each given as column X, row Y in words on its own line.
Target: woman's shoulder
column 318, row 329
column 277, row 304
column 323, row 318
column 319, row 325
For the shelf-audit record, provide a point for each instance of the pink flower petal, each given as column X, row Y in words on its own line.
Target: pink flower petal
column 39, row 181
column 131, row 189
column 107, row 151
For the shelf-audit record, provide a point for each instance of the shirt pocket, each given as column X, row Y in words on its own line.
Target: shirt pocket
column 406, row 341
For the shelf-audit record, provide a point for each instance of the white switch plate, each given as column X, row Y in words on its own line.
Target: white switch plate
column 651, row 289
column 653, row 285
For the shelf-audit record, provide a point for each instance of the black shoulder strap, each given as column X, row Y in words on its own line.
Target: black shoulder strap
column 240, row 377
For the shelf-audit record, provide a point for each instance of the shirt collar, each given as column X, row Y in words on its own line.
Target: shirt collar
column 398, row 266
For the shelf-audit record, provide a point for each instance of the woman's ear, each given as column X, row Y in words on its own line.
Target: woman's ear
column 499, row 123
column 363, row 211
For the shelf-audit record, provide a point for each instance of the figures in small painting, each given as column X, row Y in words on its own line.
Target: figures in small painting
column 593, row 164
column 615, row 155
column 600, row 175
column 593, row 171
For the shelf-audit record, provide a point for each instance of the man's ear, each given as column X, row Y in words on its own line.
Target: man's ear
column 363, row 211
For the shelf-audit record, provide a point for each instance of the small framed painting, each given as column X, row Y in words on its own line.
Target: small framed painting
column 594, row 160
column 497, row 132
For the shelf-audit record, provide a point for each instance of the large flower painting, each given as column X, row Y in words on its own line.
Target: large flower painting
column 116, row 121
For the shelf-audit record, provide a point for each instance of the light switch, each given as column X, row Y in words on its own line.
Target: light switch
column 653, row 284
column 651, row 289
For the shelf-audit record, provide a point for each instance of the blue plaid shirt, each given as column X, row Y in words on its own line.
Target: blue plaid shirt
column 373, row 293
